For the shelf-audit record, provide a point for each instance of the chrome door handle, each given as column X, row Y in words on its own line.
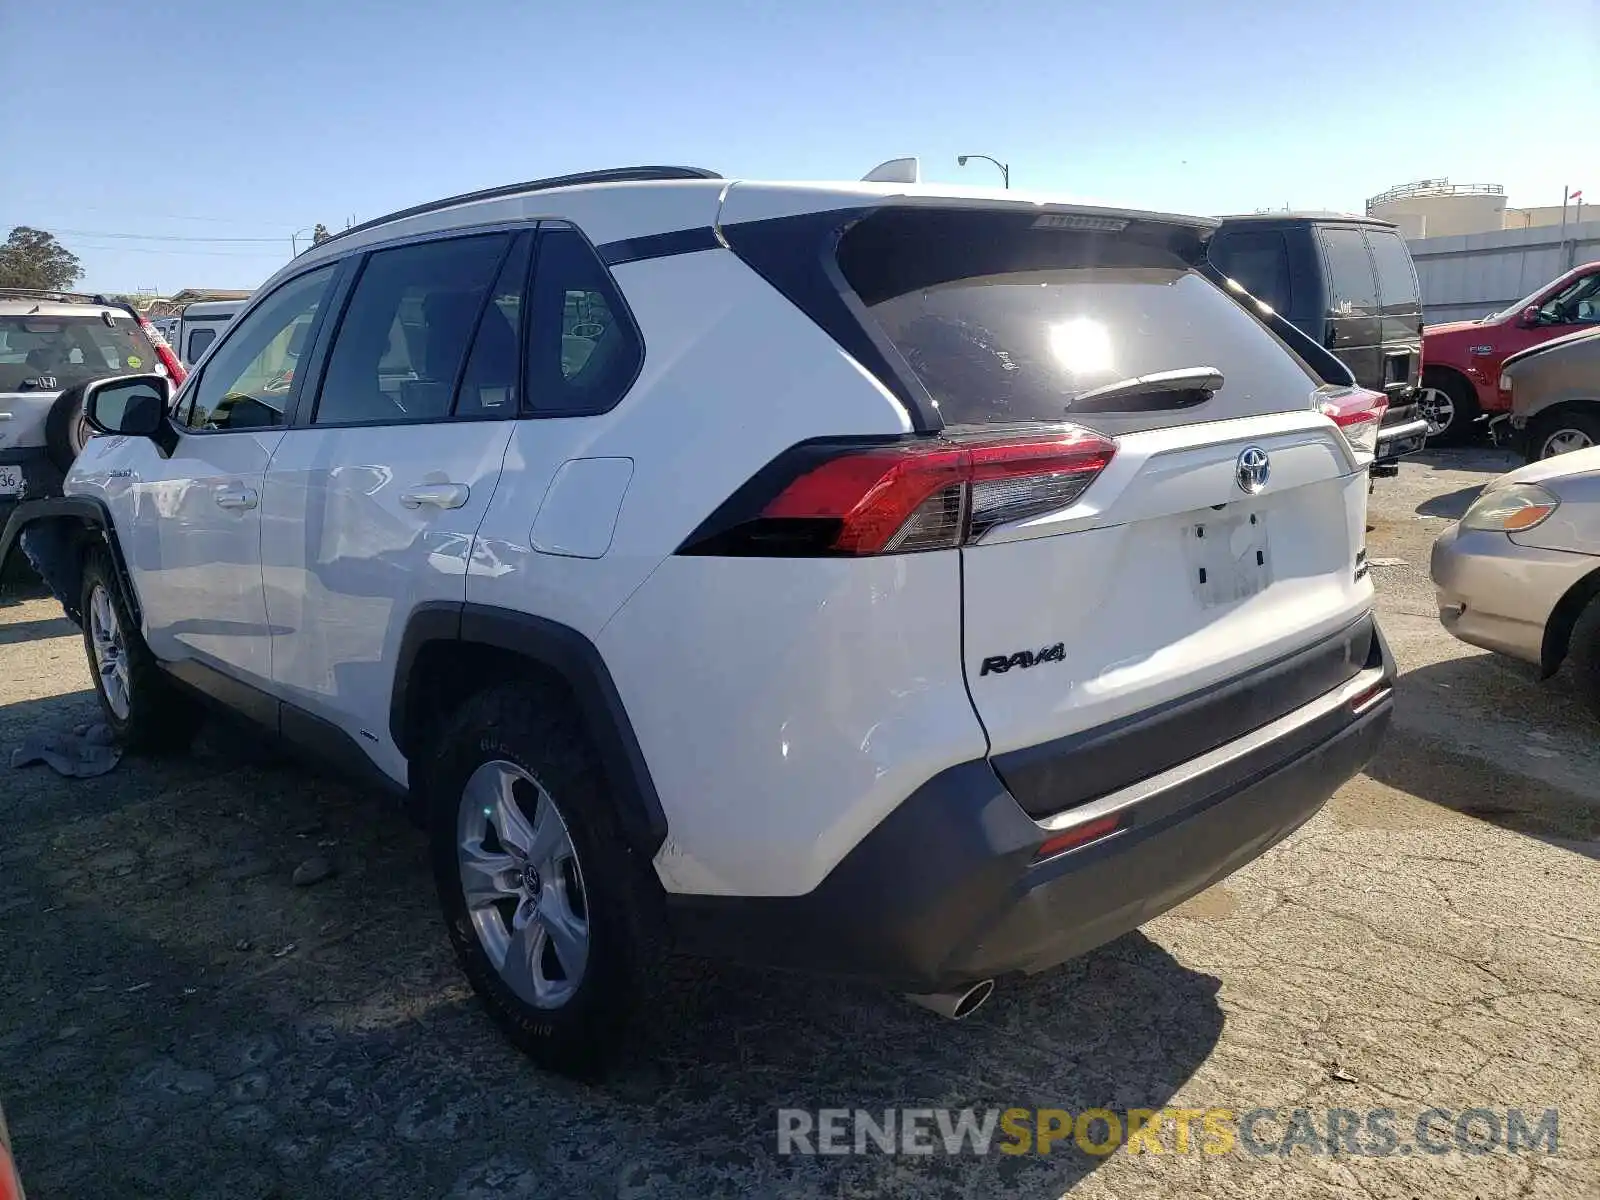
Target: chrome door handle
column 235, row 498
column 435, row 495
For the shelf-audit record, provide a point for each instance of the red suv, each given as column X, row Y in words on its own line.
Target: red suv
column 1461, row 360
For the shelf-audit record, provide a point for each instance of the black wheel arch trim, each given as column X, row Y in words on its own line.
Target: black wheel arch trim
column 1563, row 619
column 83, row 512
column 575, row 659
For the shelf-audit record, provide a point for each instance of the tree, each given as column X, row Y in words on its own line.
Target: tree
column 32, row 258
column 320, row 234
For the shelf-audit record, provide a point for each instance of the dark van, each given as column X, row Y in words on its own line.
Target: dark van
column 1348, row 283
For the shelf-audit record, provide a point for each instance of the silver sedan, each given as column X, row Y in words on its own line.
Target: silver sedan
column 1520, row 572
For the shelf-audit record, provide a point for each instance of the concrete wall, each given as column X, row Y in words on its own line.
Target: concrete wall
column 1444, row 216
column 1471, row 276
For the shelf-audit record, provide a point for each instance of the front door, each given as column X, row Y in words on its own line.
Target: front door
column 190, row 523
column 373, row 498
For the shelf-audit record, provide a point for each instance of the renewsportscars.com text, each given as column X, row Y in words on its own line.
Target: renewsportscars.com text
column 1370, row 1133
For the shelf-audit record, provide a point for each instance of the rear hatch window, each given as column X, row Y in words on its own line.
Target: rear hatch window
column 49, row 353
column 1397, row 274
column 1008, row 318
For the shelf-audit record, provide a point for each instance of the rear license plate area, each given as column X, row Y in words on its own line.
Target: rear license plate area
column 10, row 480
column 1229, row 556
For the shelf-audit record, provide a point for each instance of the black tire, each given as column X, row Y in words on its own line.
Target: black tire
column 1462, row 425
column 1577, row 423
column 1583, row 655
column 65, row 430
column 531, row 726
column 158, row 717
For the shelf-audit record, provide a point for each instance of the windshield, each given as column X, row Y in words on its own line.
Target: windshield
column 40, row 353
column 1531, row 298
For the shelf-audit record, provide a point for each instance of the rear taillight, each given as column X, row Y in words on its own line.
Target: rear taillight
column 164, row 354
column 903, row 496
column 1358, row 414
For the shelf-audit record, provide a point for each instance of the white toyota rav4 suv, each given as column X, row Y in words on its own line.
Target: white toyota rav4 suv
column 889, row 581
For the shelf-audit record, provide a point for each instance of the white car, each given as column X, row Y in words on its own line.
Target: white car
column 895, row 582
column 51, row 343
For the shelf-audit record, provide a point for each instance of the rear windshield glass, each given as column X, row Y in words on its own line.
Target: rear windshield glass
column 1397, row 277
column 1005, row 325
column 1258, row 259
column 40, row 353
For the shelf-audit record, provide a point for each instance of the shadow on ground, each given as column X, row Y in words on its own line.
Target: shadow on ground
column 1468, row 458
column 179, row 1020
column 1451, row 505
column 1547, row 719
column 28, row 631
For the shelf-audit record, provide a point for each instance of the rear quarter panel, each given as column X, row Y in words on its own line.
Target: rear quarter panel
column 733, row 374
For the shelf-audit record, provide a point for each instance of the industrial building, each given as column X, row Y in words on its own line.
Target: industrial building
column 1431, row 208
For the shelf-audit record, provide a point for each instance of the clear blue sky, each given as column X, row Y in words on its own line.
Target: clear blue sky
column 235, row 120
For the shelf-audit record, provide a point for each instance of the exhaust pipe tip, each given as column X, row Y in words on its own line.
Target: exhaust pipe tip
column 957, row 1005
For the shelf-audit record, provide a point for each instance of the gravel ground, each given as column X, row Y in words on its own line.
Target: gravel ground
column 178, row 1019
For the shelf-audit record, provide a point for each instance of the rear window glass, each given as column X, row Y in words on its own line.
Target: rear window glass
column 1259, row 261
column 1025, row 321
column 50, row 353
column 1397, row 277
column 1349, row 269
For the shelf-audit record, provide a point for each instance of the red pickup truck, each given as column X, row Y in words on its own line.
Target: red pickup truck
column 1461, row 360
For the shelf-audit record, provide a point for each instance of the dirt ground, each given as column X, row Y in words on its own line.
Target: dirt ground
column 178, row 1019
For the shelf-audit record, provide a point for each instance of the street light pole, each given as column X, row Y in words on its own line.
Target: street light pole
column 1005, row 170
column 294, row 247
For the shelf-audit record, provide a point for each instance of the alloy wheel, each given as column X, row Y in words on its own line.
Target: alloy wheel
column 110, row 650
column 1437, row 409
column 523, row 884
column 1564, row 441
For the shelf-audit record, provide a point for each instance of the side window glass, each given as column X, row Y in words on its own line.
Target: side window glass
column 584, row 350
column 405, row 332
column 1397, row 276
column 1259, row 261
column 1349, row 270
column 199, row 340
column 247, row 382
column 1578, row 303
column 489, row 386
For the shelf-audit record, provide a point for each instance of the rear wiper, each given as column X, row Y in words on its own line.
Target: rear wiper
column 1142, row 393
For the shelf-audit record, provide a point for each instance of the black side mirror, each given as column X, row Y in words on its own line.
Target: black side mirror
column 131, row 405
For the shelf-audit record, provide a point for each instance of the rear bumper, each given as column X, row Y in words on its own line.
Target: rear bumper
column 1405, row 437
column 946, row 891
column 1499, row 595
column 41, row 476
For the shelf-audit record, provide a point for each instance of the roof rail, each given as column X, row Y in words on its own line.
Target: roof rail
column 54, row 295
column 609, row 175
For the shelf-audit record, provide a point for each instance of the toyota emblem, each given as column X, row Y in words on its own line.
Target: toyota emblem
column 1252, row 469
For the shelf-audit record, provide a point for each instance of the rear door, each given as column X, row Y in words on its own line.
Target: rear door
column 1399, row 314
column 1353, row 322
column 374, row 495
column 1223, row 534
column 1259, row 260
